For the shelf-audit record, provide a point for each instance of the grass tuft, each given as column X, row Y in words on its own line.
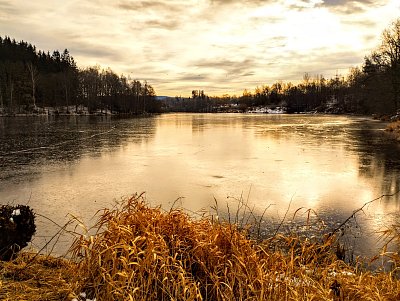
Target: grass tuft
column 394, row 129
column 144, row 253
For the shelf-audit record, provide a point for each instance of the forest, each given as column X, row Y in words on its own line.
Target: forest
column 373, row 88
column 32, row 80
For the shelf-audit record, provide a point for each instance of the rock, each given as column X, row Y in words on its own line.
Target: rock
column 17, row 226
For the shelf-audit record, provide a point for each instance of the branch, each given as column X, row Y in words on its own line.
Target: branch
column 284, row 217
column 360, row 209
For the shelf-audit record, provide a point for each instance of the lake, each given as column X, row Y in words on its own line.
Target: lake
column 78, row 165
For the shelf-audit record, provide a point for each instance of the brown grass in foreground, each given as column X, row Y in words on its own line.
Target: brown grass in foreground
column 36, row 278
column 394, row 129
column 143, row 253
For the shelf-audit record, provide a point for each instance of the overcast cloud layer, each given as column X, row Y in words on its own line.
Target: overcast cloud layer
column 220, row 46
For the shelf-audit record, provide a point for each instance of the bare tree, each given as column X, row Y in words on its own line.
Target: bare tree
column 11, row 92
column 388, row 58
column 33, row 72
column 1, row 97
column 390, row 47
column 1, row 101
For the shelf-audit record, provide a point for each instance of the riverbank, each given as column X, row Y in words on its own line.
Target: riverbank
column 53, row 111
column 393, row 129
column 145, row 253
column 81, row 110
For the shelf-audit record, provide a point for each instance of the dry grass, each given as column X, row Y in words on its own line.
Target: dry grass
column 391, row 249
column 393, row 126
column 143, row 253
column 394, row 129
column 36, row 278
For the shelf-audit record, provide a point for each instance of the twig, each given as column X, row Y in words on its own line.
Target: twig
column 353, row 215
column 229, row 214
column 247, row 207
column 215, row 208
column 251, row 214
column 239, row 207
column 284, row 217
column 173, row 204
column 45, row 246
column 30, row 196
column 61, row 227
column 260, row 220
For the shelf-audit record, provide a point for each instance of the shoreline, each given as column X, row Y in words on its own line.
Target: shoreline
column 145, row 253
column 267, row 110
column 393, row 130
column 173, row 112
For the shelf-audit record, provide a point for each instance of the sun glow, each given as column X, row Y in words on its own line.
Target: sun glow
column 219, row 46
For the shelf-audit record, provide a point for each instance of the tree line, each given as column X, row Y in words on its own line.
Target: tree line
column 373, row 87
column 31, row 80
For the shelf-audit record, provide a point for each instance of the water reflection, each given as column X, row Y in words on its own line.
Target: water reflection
column 331, row 164
column 378, row 159
column 28, row 144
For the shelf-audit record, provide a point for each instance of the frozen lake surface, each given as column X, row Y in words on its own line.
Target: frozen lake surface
column 78, row 165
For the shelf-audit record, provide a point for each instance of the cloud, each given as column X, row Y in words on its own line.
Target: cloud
column 140, row 5
column 241, row 2
column 300, row 5
column 342, row 2
column 174, row 6
column 351, row 6
column 80, row 48
column 8, row 13
column 6, row 7
column 215, row 45
column 193, row 77
column 163, row 24
column 319, row 62
column 226, row 66
column 360, row 23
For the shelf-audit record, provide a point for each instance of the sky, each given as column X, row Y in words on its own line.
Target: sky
column 219, row 46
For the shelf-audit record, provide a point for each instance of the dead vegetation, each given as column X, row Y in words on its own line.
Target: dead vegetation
column 144, row 253
column 393, row 129
column 36, row 278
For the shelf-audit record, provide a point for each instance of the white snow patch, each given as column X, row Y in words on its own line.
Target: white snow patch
column 82, row 297
column 277, row 110
column 344, row 273
column 16, row 212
